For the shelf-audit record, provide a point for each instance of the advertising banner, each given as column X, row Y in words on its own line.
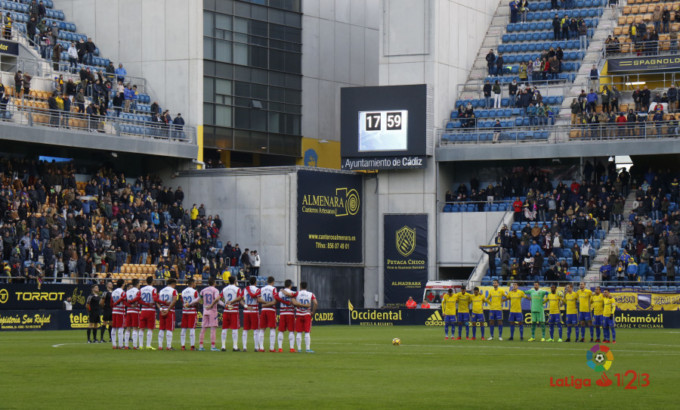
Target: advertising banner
column 643, row 63
column 405, row 254
column 29, row 297
column 329, row 217
column 9, row 47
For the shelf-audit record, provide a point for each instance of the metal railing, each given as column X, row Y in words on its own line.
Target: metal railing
column 111, row 125
column 561, row 133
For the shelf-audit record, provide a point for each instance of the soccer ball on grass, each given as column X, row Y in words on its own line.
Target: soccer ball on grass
column 396, row 341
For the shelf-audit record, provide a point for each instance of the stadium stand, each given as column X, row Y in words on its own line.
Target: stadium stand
column 525, row 45
column 59, row 226
column 45, row 31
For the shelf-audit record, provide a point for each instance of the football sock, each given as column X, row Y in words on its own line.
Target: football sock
column 533, row 330
column 201, row 336
column 512, row 330
column 272, row 339
column 244, row 338
column 482, row 332
column 583, row 331
column 460, row 330
column 552, row 330
column 291, row 339
column 491, row 330
column 113, row 337
column 467, row 330
column 168, row 337
column 474, row 331
column 597, row 332
column 446, row 329
column 280, row 340
column 308, row 341
column 500, row 331
column 543, row 330
column 149, row 336
column 560, row 329
column 89, row 333
column 161, row 335
column 213, row 336
column 183, row 337
column 109, row 327
column 605, row 330
column 298, row 339
column 192, row 337
column 126, row 335
column 101, row 332
column 521, row 331
column 591, row 332
column 224, row 338
column 122, row 338
column 140, row 334
column 134, row 337
column 568, row 332
column 613, row 334
column 234, row 337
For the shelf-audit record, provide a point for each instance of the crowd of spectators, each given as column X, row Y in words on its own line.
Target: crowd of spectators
column 52, row 232
column 648, row 115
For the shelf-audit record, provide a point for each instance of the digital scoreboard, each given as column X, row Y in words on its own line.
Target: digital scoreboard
column 383, row 130
column 386, row 127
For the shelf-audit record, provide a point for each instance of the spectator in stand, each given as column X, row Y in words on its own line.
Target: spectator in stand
column 497, row 94
column 523, row 10
column 645, row 98
column 31, row 27
column 56, row 56
column 42, row 10
column 575, row 111
column 27, row 84
column 135, row 97
column 54, row 32
column 499, row 65
column 82, row 51
column 672, row 98
column 80, row 101
column 7, row 24
column 89, row 51
column 121, row 72
column 487, row 94
column 110, row 71
column 490, row 61
column 512, row 92
column 18, row 83
column 72, row 58
column 514, row 10
column 591, row 100
column 128, row 96
column 582, row 34
column 178, row 123
column 557, row 29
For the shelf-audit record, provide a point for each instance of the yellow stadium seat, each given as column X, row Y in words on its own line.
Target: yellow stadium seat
column 626, row 10
column 634, row 9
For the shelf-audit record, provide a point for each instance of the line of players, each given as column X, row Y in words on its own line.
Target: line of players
column 134, row 310
column 579, row 306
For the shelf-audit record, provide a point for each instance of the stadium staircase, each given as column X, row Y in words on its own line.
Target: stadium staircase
column 519, row 42
column 593, row 277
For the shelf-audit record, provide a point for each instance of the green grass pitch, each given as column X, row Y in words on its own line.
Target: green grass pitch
column 354, row 367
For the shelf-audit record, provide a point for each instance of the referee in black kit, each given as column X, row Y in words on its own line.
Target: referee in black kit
column 93, row 308
column 107, row 311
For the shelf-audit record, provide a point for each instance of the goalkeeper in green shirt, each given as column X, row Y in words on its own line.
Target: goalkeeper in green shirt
column 537, row 314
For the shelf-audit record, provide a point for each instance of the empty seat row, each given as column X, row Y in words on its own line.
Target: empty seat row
column 551, row 100
column 541, row 46
column 574, row 13
column 546, row 5
column 519, row 58
column 489, row 136
column 501, row 207
column 546, row 25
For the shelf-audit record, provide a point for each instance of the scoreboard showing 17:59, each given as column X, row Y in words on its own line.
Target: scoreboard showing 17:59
column 383, row 130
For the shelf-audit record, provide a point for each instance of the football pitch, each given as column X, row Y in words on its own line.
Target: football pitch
column 353, row 367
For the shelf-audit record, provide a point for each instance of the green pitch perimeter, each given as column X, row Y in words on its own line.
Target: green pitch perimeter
column 354, row 367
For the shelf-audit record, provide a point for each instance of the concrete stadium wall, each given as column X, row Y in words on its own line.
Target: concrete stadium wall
column 339, row 49
column 159, row 40
column 257, row 209
column 432, row 42
column 461, row 233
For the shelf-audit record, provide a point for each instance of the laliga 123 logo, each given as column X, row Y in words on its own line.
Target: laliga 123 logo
column 600, row 359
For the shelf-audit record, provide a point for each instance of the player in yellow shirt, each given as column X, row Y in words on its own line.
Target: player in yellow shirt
column 478, row 313
column 608, row 312
column 464, row 300
column 516, row 317
column 570, row 298
column 449, row 310
column 554, row 300
column 585, row 297
column 597, row 304
column 495, row 298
